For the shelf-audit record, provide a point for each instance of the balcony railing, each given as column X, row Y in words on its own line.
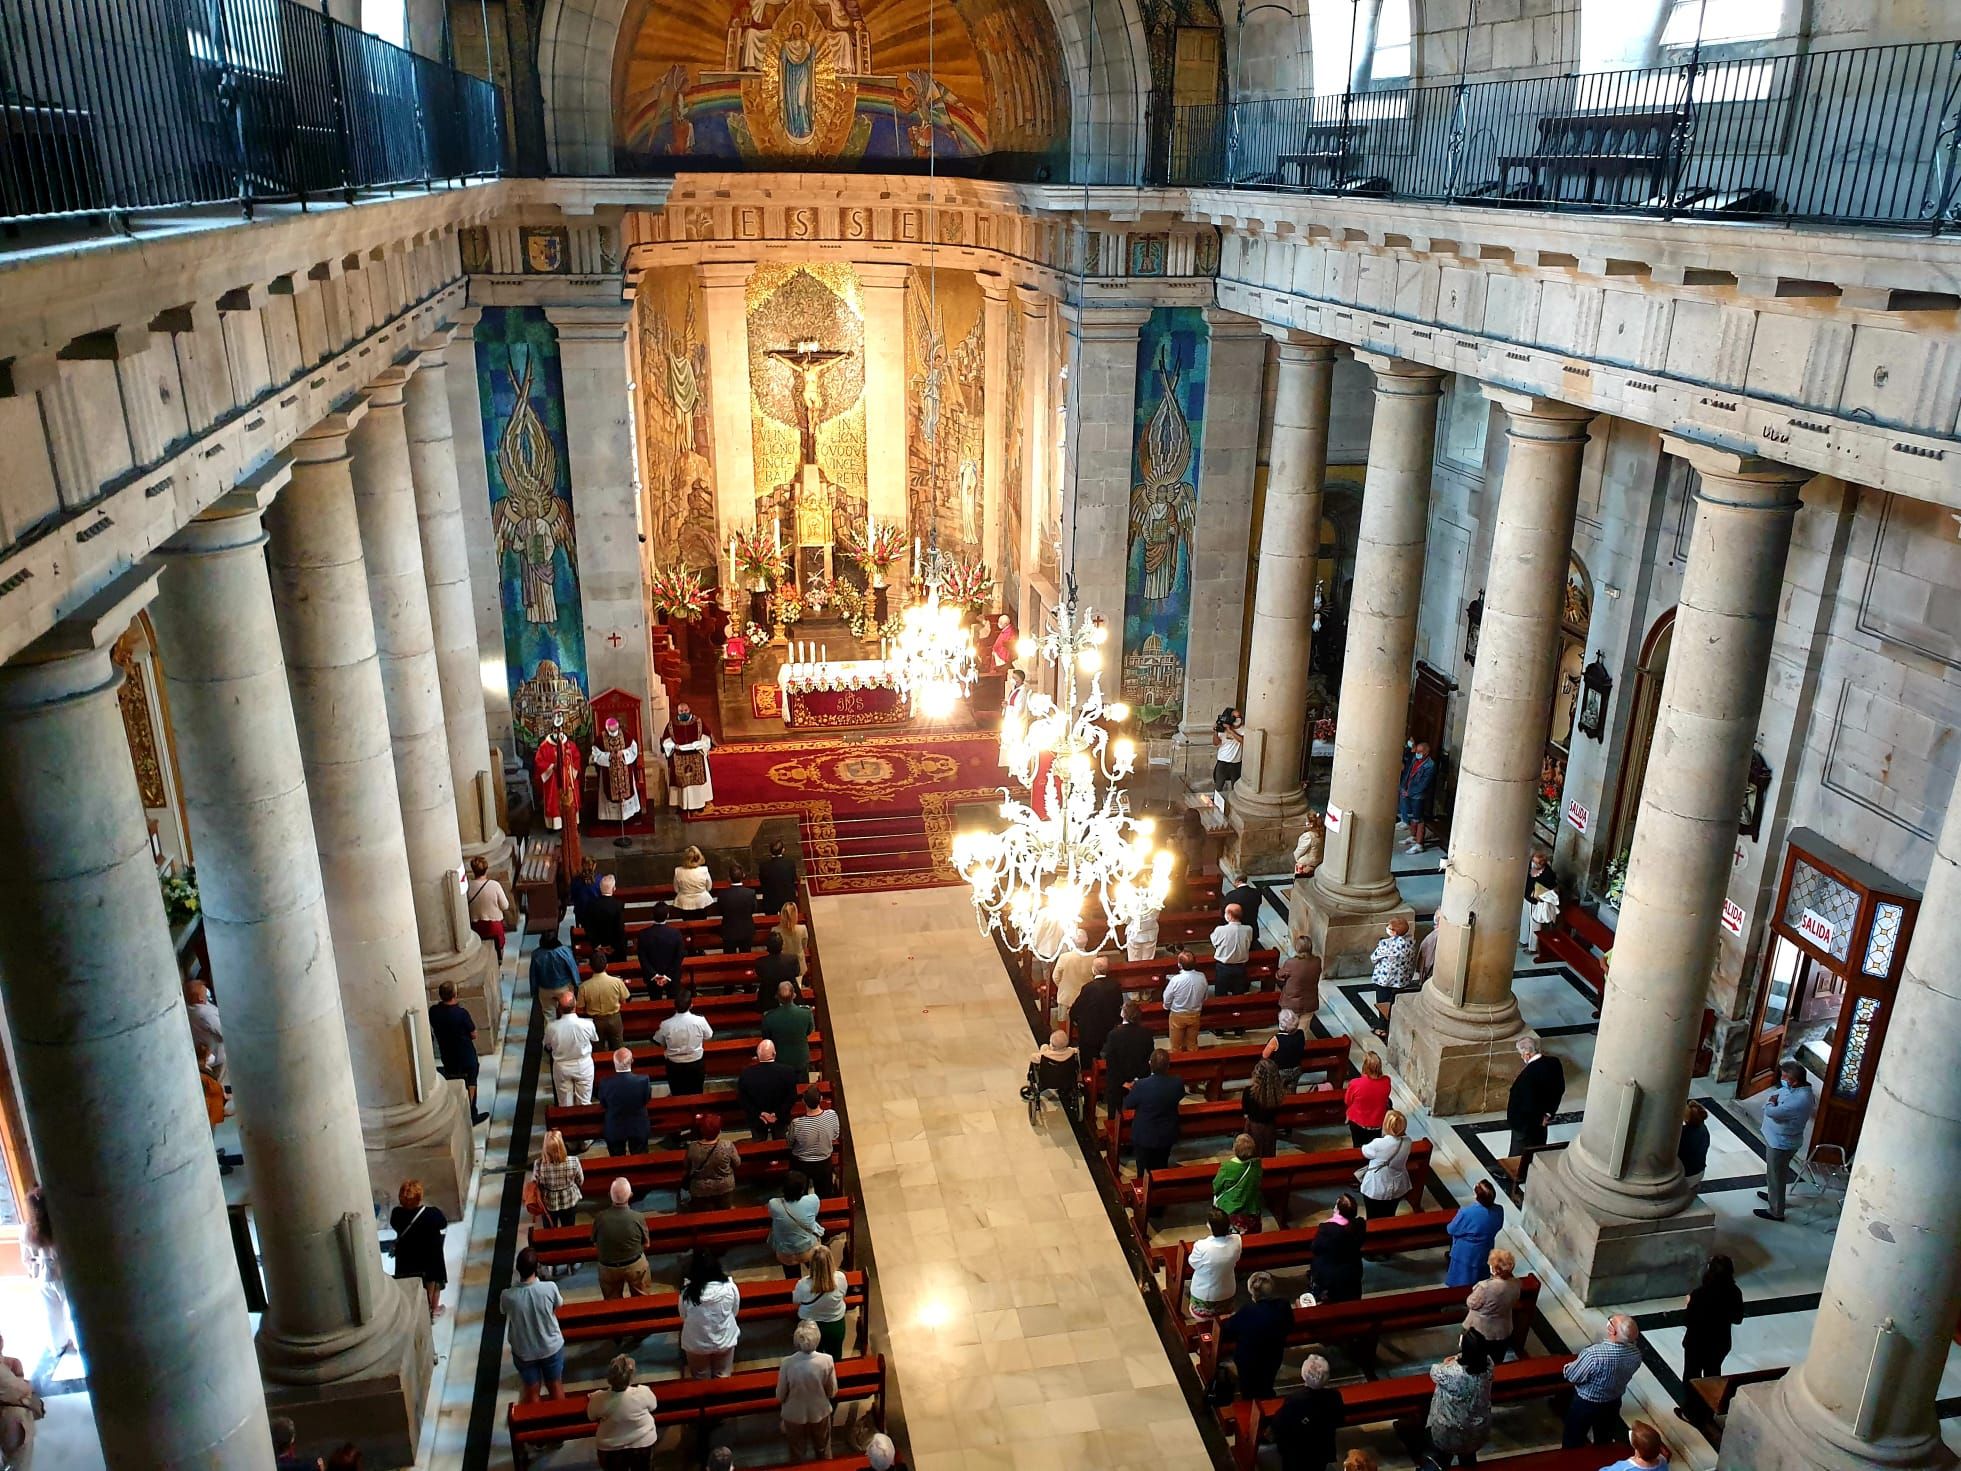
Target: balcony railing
column 110, row 106
column 1870, row 136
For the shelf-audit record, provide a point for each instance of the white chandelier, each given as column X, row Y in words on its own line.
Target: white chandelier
column 1070, row 848
column 932, row 656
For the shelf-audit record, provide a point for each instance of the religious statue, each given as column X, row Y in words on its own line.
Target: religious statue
column 686, row 743
column 557, row 765
column 529, row 519
column 806, row 362
column 618, row 758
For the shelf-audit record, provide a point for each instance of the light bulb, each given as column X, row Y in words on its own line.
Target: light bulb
column 1089, row 661
column 1099, row 633
column 1079, row 766
column 1125, row 750
column 1147, row 825
column 938, row 701
column 1024, row 647
column 1117, row 710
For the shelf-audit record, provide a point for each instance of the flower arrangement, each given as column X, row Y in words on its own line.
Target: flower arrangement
column 1616, row 880
column 789, row 604
column 876, row 547
column 678, row 595
column 818, row 594
column 969, row 584
column 757, row 560
column 180, row 901
column 856, row 608
column 756, row 634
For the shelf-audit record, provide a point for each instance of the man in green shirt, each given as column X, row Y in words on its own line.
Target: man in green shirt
column 619, row 1235
column 789, row 1026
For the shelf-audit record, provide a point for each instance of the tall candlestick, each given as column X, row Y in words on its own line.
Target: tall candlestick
column 731, row 564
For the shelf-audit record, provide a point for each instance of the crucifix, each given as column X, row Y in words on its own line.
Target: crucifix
column 810, row 510
column 807, row 361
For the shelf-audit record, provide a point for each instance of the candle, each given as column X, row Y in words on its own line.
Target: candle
column 777, row 528
column 731, row 561
column 824, row 653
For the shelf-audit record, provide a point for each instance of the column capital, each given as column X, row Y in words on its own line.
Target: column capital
column 1401, row 375
column 385, row 389
column 994, row 286
column 466, row 317
column 1104, row 323
column 233, row 521
column 598, row 322
column 326, row 439
column 723, row 274
column 1553, row 418
column 883, row 274
column 1224, row 324
column 1716, row 461
column 1304, row 347
column 430, row 349
column 1033, row 300
column 90, row 628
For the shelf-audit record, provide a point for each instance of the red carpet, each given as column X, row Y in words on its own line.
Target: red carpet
column 875, row 814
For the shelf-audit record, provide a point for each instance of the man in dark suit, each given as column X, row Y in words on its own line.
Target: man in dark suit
column 1248, row 899
column 624, row 1096
column 1096, row 1011
column 604, row 917
column 662, row 948
column 1126, row 1055
column 1154, row 1127
column 773, row 970
column 778, row 876
column 1535, row 1095
column 767, row 1091
column 738, row 905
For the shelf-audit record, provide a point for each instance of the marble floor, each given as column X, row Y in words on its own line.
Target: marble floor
column 1017, row 1334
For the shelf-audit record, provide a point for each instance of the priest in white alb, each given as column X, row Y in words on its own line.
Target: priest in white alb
column 685, row 743
column 618, row 758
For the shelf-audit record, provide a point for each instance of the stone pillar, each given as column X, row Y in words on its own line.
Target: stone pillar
column 1228, row 458
column 997, row 320
column 599, row 446
column 416, row 1125
column 398, row 594
column 1864, row 1397
column 344, row 1348
column 1268, row 804
column 725, row 328
column 1094, row 474
column 476, row 772
column 882, row 286
column 1352, row 895
column 1452, row 1041
column 480, row 541
column 1615, row 1213
column 108, row 1080
column 1039, row 420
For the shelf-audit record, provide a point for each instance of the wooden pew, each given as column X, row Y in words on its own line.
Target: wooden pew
column 1377, row 1401
column 720, row 971
column 1317, row 1108
column 1579, row 1458
column 1363, row 1321
column 1293, row 1251
column 1713, row 1394
column 737, row 1013
column 1259, row 1009
column 1281, row 1177
column 1209, row 1069
column 1175, row 927
column 766, row 1301
column 696, row 1403
column 665, row 1169
column 725, row 1056
column 1577, row 940
column 676, row 1234
column 701, row 934
column 1141, row 977
column 666, row 1113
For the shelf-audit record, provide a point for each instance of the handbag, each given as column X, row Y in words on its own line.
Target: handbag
column 534, row 1197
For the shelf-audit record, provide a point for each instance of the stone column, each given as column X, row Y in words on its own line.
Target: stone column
column 1038, row 527
column 476, row 772
column 398, row 594
column 1094, row 473
column 107, row 1077
column 1452, row 1041
column 882, row 286
column 1352, row 895
column 997, row 320
column 1864, row 1397
column 480, row 540
column 343, row 1347
column 1228, row 458
column 1268, row 805
column 1615, row 1213
column 725, row 327
column 599, row 447
column 416, row 1125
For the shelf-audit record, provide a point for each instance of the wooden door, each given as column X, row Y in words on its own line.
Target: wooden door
column 1196, row 67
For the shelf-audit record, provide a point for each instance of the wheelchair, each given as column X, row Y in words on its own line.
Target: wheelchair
column 1060, row 1083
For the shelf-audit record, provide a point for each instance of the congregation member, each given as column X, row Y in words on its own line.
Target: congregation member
column 881, row 1454
column 1648, row 1452
column 489, row 904
column 684, row 1036
column 813, row 1138
column 1184, row 1002
column 553, row 968
column 662, row 949
column 285, row 1438
column 1492, row 1305
column 1305, row 1425
column 207, row 1026
column 1714, row 1309
column 455, row 1034
column 1600, row 1375
column 738, row 903
column 601, row 997
column 625, row 1094
column 1693, row 1148
column 1426, row 958
column 1154, row 1125
column 1473, row 1232
column 794, row 1232
column 796, row 937
column 1260, row 1103
column 1385, row 1167
column 1126, row 1055
column 1413, row 793
column 1535, row 1095
column 1787, row 1115
column 569, row 1041
column 1335, row 1273
column 420, row 1230
column 710, row 1303
column 1311, row 844
column 1459, row 1422
column 1141, row 939
column 1392, row 964
column 1058, row 1067
column 619, row 1238
column 1073, row 969
column 604, row 917
column 767, row 1091
column 1365, row 1100
column 215, row 1103
column 1286, row 1049
column 1232, row 947
column 1229, row 739
column 1246, row 897
column 777, row 874
column 1212, row 1262
column 21, row 1408
column 819, row 1296
column 1299, row 977
column 582, row 890
column 694, row 886
column 1259, row 1335
column 623, row 1416
column 1236, row 1186
column 774, row 969
column 1096, row 1010
column 561, row 1181
column 530, row 1310
column 709, row 1161
column 806, row 1389
column 789, row 1025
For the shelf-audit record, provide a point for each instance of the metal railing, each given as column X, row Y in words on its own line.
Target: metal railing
column 109, row 106
column 1869, row 136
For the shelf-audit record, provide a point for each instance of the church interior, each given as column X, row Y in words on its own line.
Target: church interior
column 980, row 735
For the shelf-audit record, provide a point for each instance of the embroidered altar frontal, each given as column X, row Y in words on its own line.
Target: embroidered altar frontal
column 845, row 709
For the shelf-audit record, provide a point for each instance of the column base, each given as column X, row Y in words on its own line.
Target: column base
column 1608, row 1258
column 380, row 1409
column 1455, row 1062
column 479, row 988
column 1344, row 928
column 1265, row 830
column 1774, row 1427
column 501, row 850
column 429, row 1142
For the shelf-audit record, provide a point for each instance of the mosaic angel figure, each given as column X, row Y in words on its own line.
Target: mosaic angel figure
column 530, row 520
column 1161, row 505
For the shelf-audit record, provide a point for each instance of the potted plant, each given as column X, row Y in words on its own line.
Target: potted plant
column 180, row 900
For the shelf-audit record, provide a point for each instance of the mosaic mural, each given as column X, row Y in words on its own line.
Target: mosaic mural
column 787, row 305
column 946, row 359
column 677, row 468
column 1014, row 439
column 1171, row 362
column 523, row 400
column 839, row 80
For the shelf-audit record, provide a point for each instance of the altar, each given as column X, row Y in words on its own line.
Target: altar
column 841, row 694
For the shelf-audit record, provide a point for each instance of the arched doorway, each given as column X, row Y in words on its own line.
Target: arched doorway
column 1575, row 614
column 1640, row 741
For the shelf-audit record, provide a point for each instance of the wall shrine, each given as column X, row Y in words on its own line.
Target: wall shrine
column 1171, row 363
column 946, row 359
column 523, row 399
column 817, row 81
column 671, row 375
